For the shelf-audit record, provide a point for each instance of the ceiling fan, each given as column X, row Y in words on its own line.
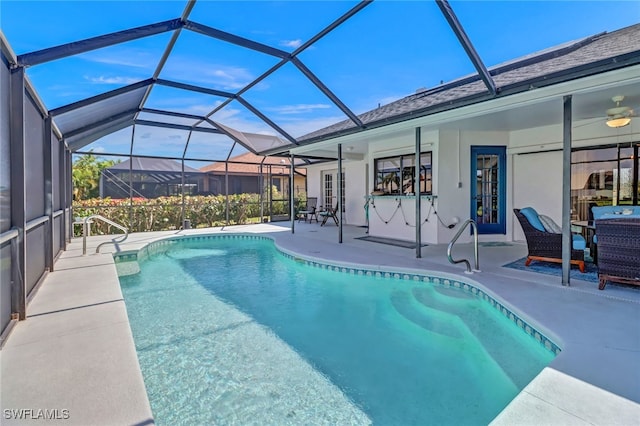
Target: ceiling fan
column 620, row 115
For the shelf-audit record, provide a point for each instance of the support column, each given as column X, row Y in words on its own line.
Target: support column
column 416, row 191
column 62, row 182
column 292, row 201
column 262, row 188
column 69, row 196
column 567, row 244
column 270, row 186
column 339, row 203
column 18, row 192
column 184, row 153
column 48, row 192
column 133, row 135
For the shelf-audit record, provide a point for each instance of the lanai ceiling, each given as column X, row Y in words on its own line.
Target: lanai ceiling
column 210, row 103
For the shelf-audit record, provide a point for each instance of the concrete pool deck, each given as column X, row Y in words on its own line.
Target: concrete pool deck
column 75, row 351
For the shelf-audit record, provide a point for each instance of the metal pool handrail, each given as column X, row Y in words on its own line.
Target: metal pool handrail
column 475, row 246
column 85, row 227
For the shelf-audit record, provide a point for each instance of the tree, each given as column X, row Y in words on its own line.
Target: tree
column 86, row 176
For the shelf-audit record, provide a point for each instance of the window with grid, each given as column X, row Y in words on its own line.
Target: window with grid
column 328, row 190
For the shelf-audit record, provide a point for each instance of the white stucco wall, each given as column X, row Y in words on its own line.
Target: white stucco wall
column 534, row 176
column 355, row 187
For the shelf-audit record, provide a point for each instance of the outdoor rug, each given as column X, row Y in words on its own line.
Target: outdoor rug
column 591, row 270
column 390, row 241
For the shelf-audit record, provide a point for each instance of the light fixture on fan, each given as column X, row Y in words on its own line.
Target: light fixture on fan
column 618, row 116
column 619, row 121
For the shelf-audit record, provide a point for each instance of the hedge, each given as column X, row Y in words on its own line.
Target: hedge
column 165, row 213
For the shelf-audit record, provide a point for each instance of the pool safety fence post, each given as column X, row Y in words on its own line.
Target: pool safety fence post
column 339, row 203
column 416, row 191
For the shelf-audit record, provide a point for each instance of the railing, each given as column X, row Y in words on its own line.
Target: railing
column 475, row 246
column 8, row 235
column 85, row 229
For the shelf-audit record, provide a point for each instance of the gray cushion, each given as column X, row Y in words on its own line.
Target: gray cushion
column 549, row 224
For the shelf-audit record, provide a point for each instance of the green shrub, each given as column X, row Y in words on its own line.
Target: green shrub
column 165, row 213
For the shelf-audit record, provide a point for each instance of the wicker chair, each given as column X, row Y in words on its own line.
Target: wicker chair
column 546, row 246
column 618, row 251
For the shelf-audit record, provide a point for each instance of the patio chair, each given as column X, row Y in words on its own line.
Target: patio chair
column 618, row 251
column 330, row 213
column 546, row 246
column 309, row 212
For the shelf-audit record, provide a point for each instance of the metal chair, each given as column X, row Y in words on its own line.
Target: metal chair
column 309, row 211
column 330, row 213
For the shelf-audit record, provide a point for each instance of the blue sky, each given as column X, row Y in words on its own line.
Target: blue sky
column 385, row 52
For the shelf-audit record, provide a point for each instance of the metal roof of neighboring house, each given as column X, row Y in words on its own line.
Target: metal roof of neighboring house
column 249, row 164
column 143, row 164
column 591, row 55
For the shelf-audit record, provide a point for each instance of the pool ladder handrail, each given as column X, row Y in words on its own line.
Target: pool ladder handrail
column 85, row 226
column 464, row 225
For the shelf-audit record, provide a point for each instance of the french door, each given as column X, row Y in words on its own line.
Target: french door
column 488, row 188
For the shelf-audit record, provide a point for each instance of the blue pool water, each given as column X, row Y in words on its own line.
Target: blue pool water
column 233, row 332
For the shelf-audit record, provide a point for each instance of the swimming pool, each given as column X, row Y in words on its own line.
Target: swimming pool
column 231, row 330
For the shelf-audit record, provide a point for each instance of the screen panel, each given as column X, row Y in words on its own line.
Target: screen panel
column 5, row 143
column 34, row 160
column 5, row 285
column 34, row 242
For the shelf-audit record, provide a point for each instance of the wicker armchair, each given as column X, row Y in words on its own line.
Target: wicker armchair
column 618, row 251
column 546, row 246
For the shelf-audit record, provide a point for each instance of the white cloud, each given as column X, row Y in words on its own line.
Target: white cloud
column 298, row 108
column 294, row 44
column 111, row 80
column 194, row 71
column 125, row 57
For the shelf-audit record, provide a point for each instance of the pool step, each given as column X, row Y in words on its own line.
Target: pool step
column 404, row 303
column 482, row 323
column 447, row 325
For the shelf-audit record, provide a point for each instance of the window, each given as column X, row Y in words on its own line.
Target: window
column 328, row 190
column 603, row 176
column 396, row 175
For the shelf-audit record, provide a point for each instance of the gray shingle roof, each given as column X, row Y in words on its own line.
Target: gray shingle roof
column 551, row 66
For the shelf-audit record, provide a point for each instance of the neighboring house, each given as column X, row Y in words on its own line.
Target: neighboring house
column 484, row 153
column 151, row 178
column 245, row 175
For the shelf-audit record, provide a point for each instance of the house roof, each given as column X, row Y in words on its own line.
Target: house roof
column 249, row 164
column 592, row 55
